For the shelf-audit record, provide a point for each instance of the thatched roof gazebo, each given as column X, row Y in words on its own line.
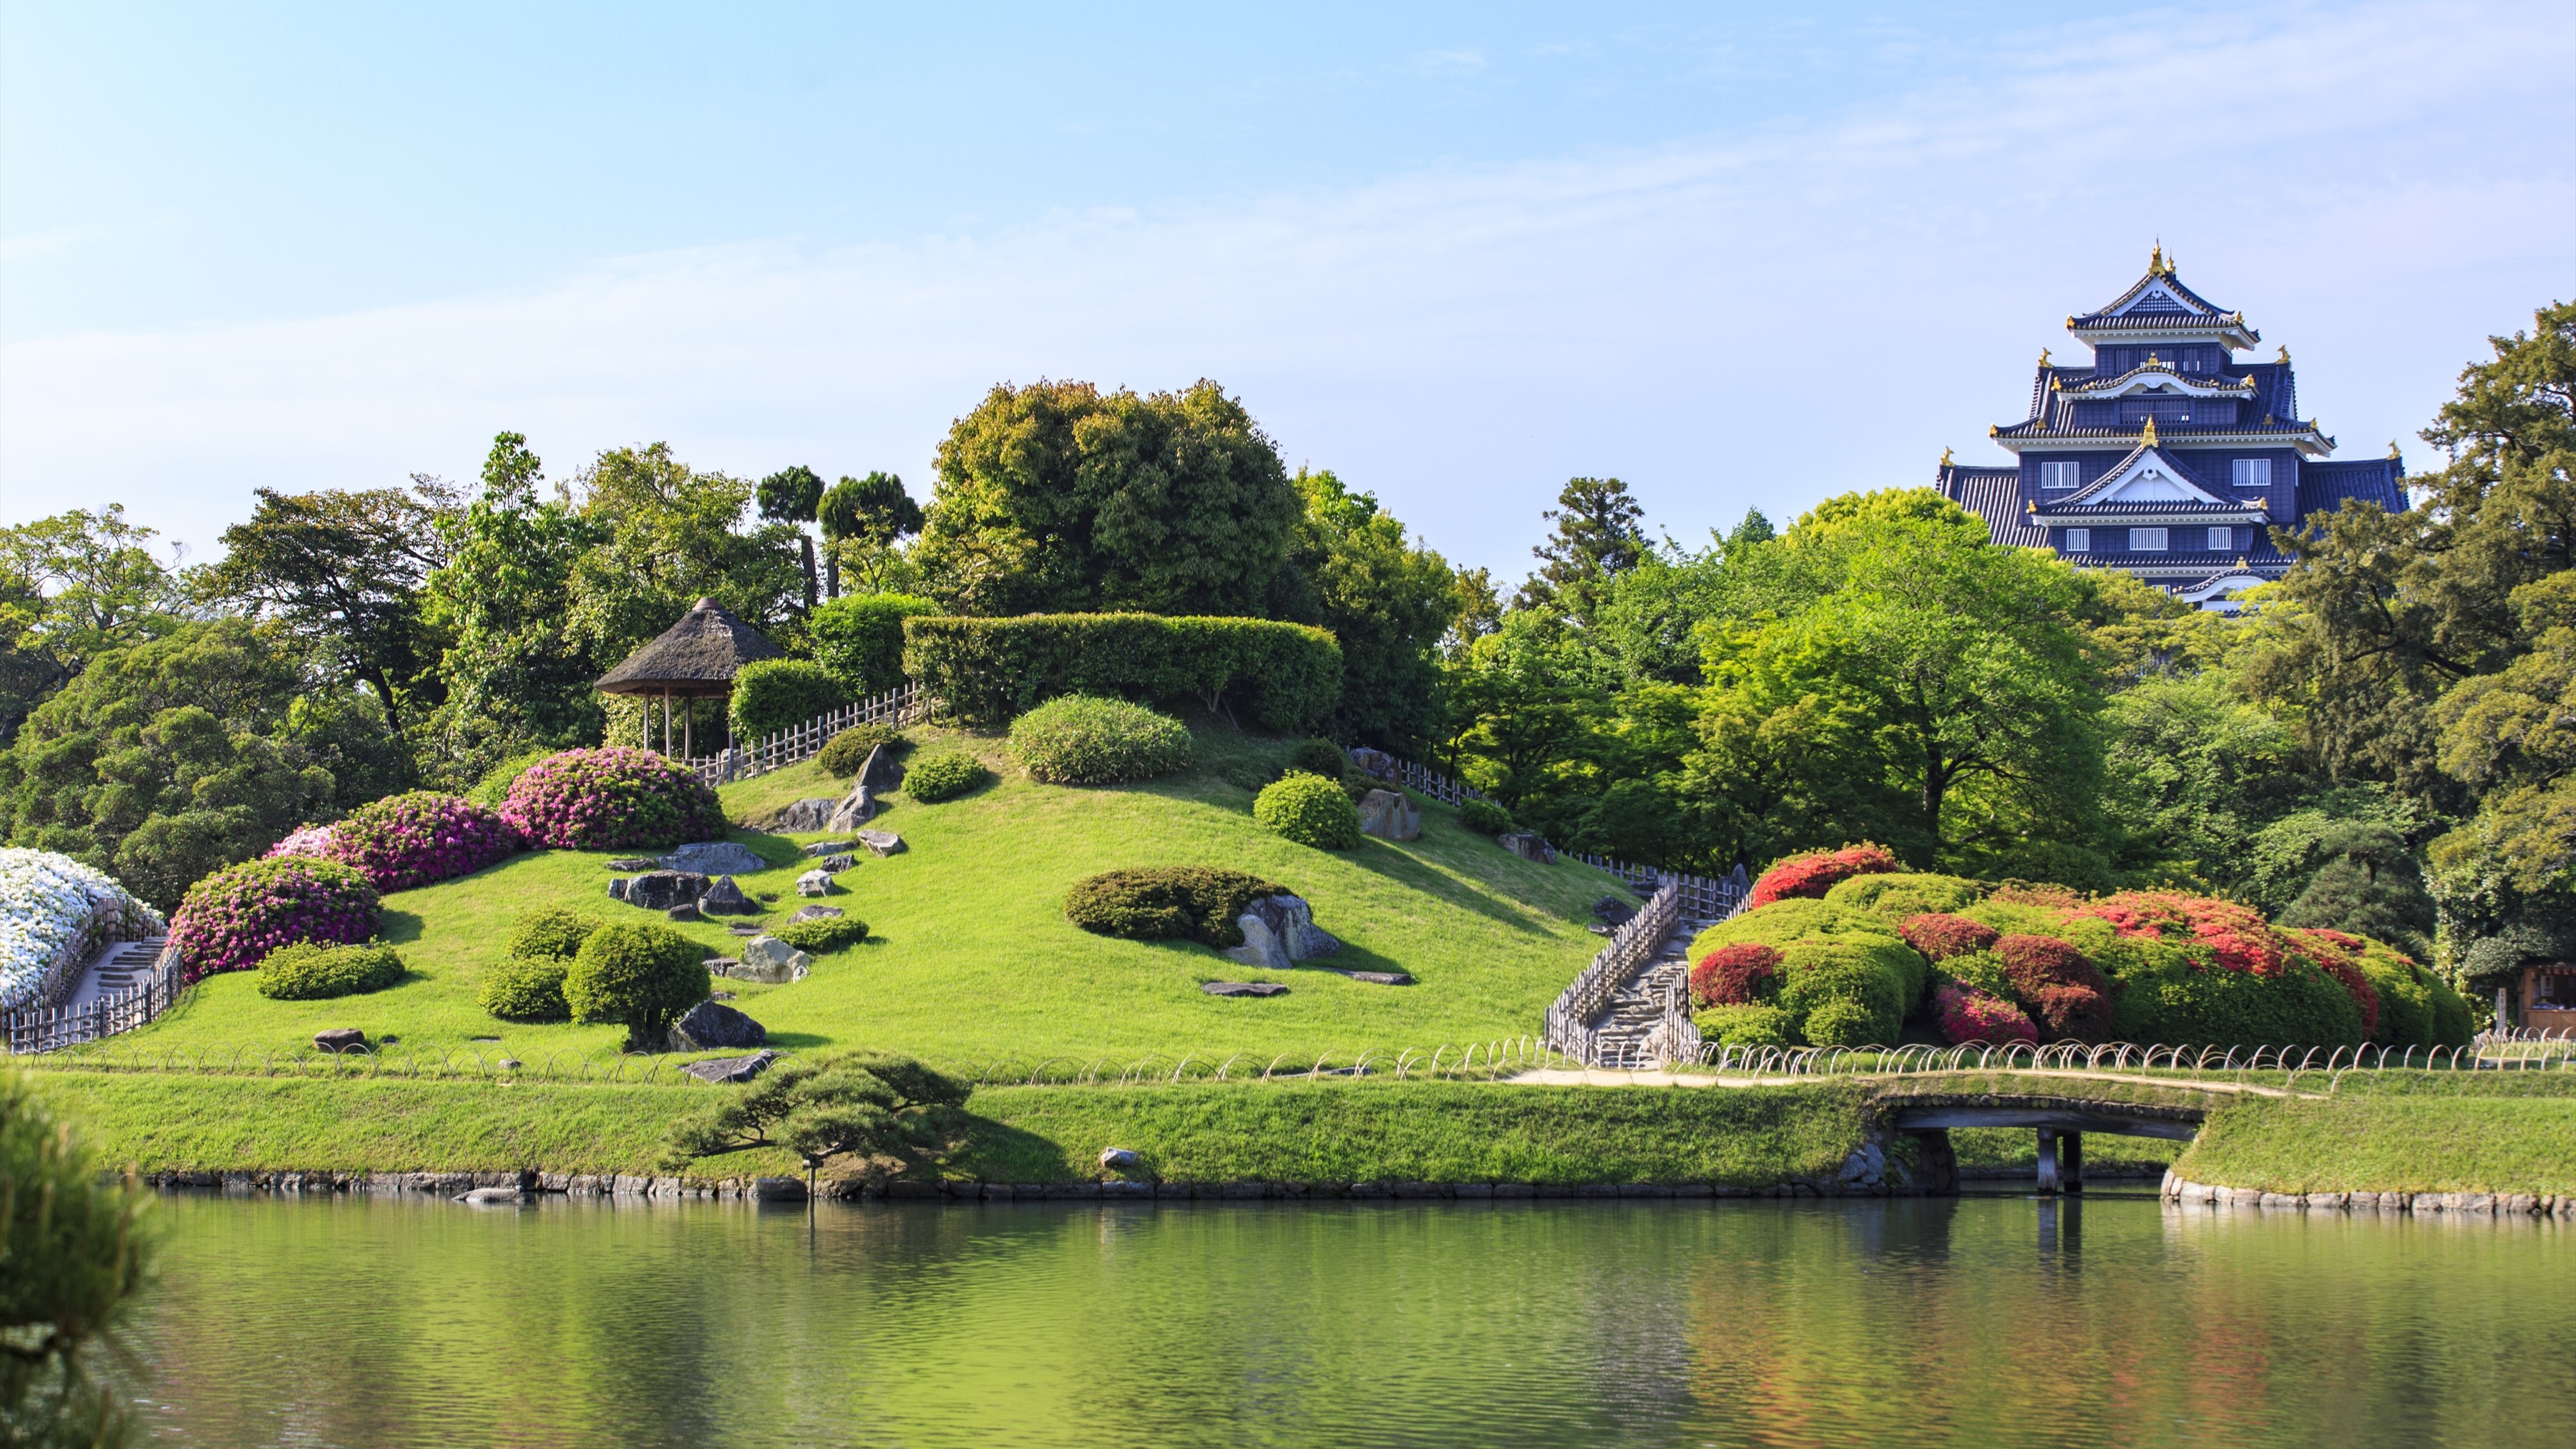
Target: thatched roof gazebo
column 695, row 658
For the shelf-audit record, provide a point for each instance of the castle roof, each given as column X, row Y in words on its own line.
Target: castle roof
column 2159, row 303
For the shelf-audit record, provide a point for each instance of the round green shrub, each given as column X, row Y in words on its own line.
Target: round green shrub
column 1083, row 739
column 494, row 786
column 525, row 988
column 1484, row 817
column 550, row 932
column 770, row 695
column 1309, row 810
column 644, row 976
column 1318, row 757
column 1845, row 1022
column 1744, row 1026
column 1882, row 977
column 1895, row 897
column 944, row 776
column 1777, row 924
column 848, row 751
column 1982, row 971
column 823, row 935
column 1167, row 903
column 308, row 971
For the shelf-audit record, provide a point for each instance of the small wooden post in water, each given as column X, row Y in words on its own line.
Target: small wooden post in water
column 2074, row 1153
column 2048, row 1159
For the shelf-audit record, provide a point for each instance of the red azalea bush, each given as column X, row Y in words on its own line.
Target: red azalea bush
column 2073, row 1013
column 2060, row 984
column 1974, row 1017
column 2339, row 956
column 2236, row 935
column 235, row 917
column 410, row 840
column 1940, row 937
column 605, row 799
column 1743, row 974
column 1820, row 871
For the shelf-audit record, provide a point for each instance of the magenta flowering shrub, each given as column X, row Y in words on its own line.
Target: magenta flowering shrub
column 410, row 840
column 312, row 840
column 1969, row 1017
column 609, row 798
column 233, row 918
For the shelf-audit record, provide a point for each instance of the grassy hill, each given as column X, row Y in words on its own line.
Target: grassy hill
column 971, row 958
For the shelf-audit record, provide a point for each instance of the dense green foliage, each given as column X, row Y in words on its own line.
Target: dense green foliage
column 311, row 971
column 1080, row 739
column 1318, row 757
column 1167, row 903
column 550, row 933
column 890, row 1113
column 823, row 935
column 1387, row 604
column 642, row 977
column 859, row 639
column 988, row 670
column 770, row 695
column 944, row 775
column 848, row 752
column 73, row 1258
column 1484, row 817
column 525, row 988
column 1309, row 810
column 73, row 587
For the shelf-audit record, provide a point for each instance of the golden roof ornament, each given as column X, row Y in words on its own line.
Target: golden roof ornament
column 2043, row 357
column 2156, row 259
column 2240, row 560
column 2284, row 358
column 2393, row 454
column 2052, row 382
column 2031, row 507
column 2153, row 360
column 2147, row 438
column 1945, row 457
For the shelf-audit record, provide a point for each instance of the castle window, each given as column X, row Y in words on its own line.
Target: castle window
column 2079, row 540
column 2252, row 472
column 2146, row 540
column 2060, row 475
column 2221, row 539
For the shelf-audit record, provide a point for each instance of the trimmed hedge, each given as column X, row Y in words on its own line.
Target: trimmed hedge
column 1167, row 903
column 990, row 670
column 858, row 639
column 1081, row 739
column 944, row 776
column 644, row 976
column 525, row 988
column 847, row 754
column 1484, row 817
column 1819, row 871
column 308, row 971
column 1309, row 810
column 232, row 919
column 1745, row 1026
column 822, row 935
column 550, row 933
column 770, row 695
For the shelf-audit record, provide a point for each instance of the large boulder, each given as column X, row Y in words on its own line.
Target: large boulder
column 1528, row 845
column 712, row 1025
column 1376, row 764
column 340, row 1039
column 799, row 817
column 1389, row 816
column 856, row 809
column 771, row 960
column 724, row 898
column 881, row 774
column 715, row 857
column 881, row 842
column 1280, row 931
column 814, row 883
column 660, row 890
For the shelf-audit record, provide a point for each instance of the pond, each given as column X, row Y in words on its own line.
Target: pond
column 1995, row 1320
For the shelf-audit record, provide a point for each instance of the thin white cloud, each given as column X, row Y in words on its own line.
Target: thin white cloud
column 1734, row 321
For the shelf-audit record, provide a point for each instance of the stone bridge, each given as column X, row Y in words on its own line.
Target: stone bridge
column 2060, row 1121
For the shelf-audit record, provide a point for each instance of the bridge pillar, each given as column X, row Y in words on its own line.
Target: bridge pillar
column 2047, row 1159
column 2071, row 1166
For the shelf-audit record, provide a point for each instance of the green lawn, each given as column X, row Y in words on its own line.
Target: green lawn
column 2381, row 1141
column 971, row 959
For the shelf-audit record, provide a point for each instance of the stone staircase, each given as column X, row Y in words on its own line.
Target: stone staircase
column 1638, row 1007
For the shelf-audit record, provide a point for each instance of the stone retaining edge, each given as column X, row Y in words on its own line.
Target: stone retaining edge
column 2459, row 1204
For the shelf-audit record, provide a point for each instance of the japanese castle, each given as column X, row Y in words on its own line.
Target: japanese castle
column 2166, row 457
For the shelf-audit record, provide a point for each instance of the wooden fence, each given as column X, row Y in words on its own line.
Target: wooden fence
column 1569, row 1021
column 34, row 1028
column 903, row 705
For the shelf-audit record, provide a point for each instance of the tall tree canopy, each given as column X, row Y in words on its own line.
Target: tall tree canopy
column 1599, row 535
column 1389, row 602
column 791, row 496
column 1061, row 497
column 72, row 587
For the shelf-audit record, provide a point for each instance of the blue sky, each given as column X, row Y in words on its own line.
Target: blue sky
column 1739, row 257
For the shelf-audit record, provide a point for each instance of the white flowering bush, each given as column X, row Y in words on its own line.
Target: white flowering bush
column 54, row 912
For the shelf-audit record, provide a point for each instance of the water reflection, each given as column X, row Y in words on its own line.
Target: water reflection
column 1977, row 1321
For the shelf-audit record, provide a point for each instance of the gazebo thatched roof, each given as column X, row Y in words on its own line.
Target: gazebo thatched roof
column 695, row 657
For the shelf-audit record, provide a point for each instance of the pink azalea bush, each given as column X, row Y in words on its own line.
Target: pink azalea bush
column 609, row 798
column 1972, row 1017
column 411, row 840
column 235, row 917
column 313, row 840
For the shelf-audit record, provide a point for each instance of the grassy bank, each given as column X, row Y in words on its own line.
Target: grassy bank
column 2391, row 1141
column 971, row 957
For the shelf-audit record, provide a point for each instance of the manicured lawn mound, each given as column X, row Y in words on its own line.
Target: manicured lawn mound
column 970, row 957
column 2390, row 1142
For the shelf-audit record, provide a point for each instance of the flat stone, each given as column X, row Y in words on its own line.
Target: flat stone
column 817, row 913
column 1389, row 816
column 835, row 864
column 829, row 847
column 813, row 813
column 632, row 862
column 489, row 1196
column 815, row 883
column 1528, row 845
column 710, row 1025
column 687, row 911
column 1119, row 1159
column 724, row 898
column 721, row 965
column 715, row 857
column 744, row 928
column 340, row 1039
column 769, row 959
column 1379, row 978
column 730, row 1069
column 881, row 842
column 1613, row 912
column 1243, row 988
column 778, row 1189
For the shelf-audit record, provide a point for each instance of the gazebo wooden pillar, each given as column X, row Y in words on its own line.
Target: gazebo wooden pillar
column 694, row 659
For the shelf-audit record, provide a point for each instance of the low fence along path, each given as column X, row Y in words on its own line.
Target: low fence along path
column 1640, row 1009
